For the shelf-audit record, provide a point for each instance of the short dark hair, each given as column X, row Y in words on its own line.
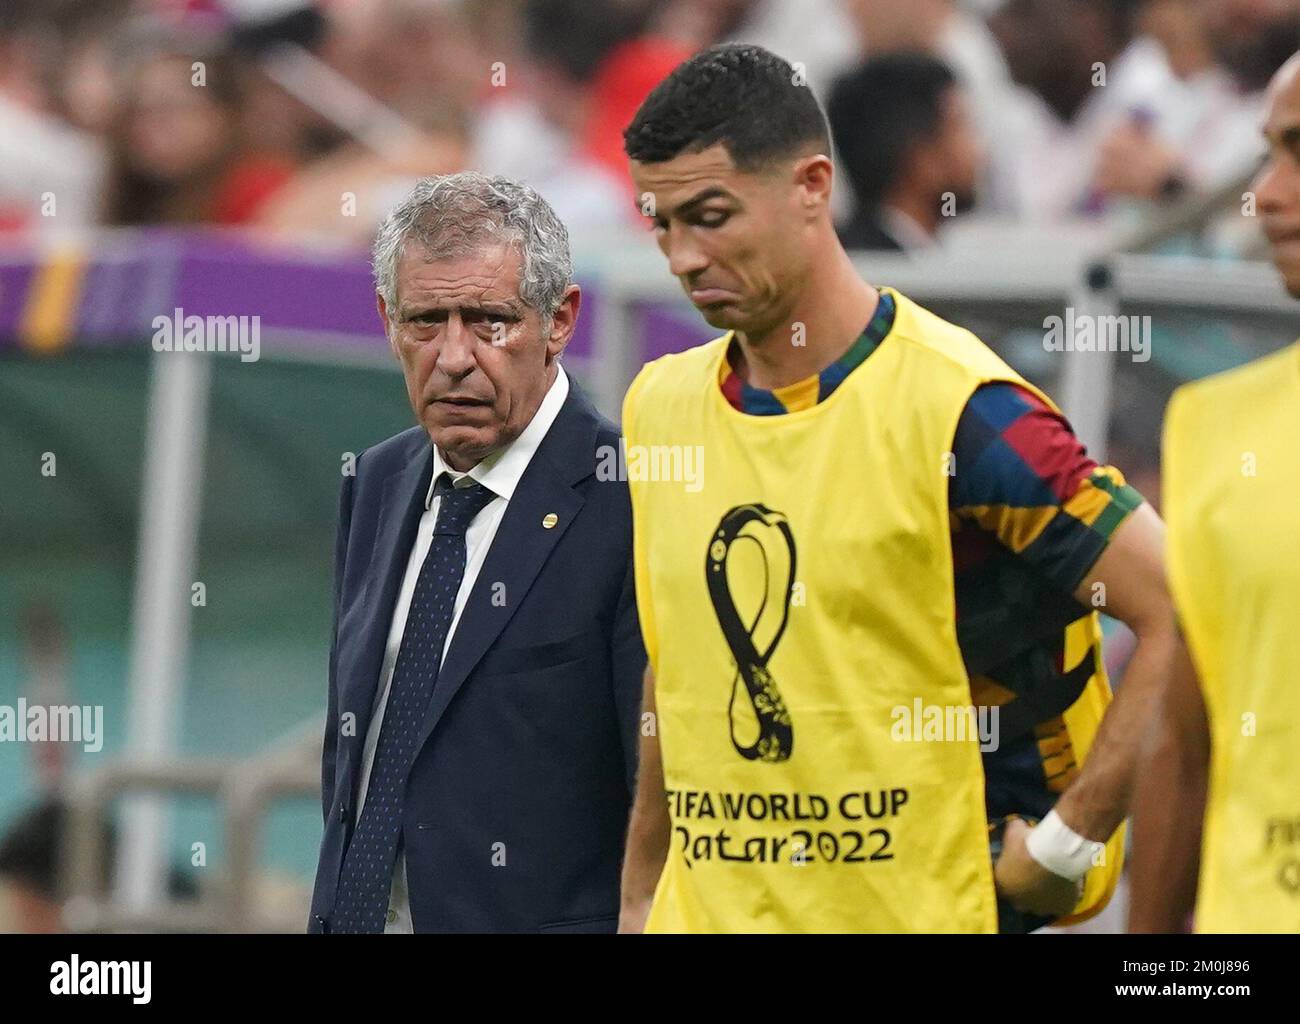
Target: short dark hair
column 740, row 95
column 879, row 111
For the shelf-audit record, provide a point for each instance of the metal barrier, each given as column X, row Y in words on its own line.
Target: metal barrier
column 249, row 790
column 243, row 788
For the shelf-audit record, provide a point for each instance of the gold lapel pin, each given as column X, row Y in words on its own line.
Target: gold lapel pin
column 549, row 520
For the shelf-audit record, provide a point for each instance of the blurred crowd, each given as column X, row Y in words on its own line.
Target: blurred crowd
column 310, row 118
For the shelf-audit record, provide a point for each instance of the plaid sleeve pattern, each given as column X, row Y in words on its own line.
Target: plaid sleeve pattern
column 1030, row 514
column 1023, row 478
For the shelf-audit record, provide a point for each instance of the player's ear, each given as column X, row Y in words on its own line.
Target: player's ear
column 813, row 176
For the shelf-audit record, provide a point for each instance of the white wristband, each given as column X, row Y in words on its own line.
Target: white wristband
column 1061, row 850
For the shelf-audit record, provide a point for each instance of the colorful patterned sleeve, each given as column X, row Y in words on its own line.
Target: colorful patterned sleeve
column 1022, row 475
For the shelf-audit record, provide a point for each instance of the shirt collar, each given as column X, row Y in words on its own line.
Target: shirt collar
column 501, row 471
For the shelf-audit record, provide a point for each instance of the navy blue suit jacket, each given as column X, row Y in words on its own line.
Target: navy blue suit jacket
column 518, row 800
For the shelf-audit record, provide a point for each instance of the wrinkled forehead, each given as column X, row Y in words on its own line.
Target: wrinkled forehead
column 451, row 274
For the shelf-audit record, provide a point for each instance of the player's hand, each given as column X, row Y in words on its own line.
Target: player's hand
column 1026, row 884
column 632, row 916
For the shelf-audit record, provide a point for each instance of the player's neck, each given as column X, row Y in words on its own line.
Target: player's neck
column 823, row 323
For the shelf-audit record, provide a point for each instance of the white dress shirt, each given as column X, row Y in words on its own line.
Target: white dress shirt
column 500, row 473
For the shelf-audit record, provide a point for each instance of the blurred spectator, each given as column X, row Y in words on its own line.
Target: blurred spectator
column 45, row 646
column 550, row 125
column 659, row 37
column 342, row 196
column 908, row 143
column 814, row 35
column 1252, row 38
column 1056, row 48
column 1095, row 106
column 1200, row 128
column 1135, row 101
column 1085, row 75
column 621, row 83
column 177, row 149
column 894, row 26
column 31, row 887
column 371, row 95
column 401, row 51
column 276, row 121
column 50, row 171
column 81, row 79
column 961, row 39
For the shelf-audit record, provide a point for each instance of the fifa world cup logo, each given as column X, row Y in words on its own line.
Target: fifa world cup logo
column 770, row 532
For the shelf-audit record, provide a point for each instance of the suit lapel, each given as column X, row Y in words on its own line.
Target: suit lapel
column 521, row 546
column 400, row 509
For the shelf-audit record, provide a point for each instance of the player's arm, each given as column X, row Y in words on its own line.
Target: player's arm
column 1029, row 483
column 1131, row 571
column 649, row 830
column 1169, row 805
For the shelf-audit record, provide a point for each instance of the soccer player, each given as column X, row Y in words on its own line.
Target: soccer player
column 890, row 528
column 1221, row 785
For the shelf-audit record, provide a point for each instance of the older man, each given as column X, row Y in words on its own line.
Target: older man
column 486, row 664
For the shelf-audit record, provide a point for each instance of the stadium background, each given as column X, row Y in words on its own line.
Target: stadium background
column 258, row 197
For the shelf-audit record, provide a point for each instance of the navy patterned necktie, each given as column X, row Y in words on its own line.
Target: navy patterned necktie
column 367, row 875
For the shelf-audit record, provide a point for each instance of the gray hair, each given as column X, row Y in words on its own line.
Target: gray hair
column 452, row 215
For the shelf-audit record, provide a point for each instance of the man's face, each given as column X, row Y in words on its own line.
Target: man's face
column 1277, row 186
column 1031, row 35
column 476, row 359
column 955, row 158
column 734, row 239
column 1052, row 46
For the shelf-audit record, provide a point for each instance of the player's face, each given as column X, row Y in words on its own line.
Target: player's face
column 1277, row 187
column 959, row 148
column 476, row 359
column 732, row 238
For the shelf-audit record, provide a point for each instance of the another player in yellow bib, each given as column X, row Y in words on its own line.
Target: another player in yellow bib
column 828, row 615
column 1232, row 496
column 796, row 592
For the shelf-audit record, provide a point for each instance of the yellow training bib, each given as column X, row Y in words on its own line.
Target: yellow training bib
column 1232, row 503
column 796, row 592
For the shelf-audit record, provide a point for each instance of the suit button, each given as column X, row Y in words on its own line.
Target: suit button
column 343, row 813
